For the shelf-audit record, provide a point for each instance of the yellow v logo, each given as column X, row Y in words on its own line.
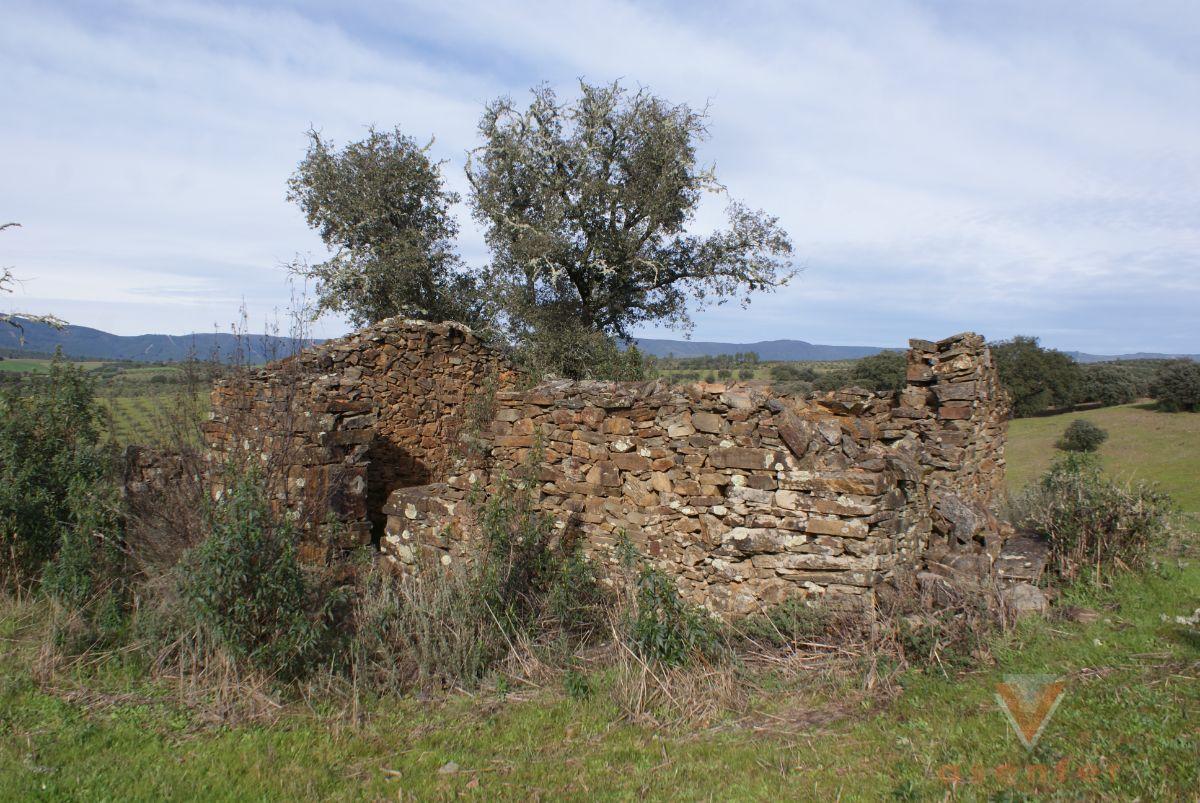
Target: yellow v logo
column 1029, row 701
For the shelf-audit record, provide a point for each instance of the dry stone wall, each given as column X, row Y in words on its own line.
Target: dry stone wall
column 350, row 420
column 743, row 497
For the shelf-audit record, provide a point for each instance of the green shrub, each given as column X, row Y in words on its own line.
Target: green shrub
column 566, row 348
column 91, row 548
column 1081, row 436
column 1177, row 387
column 244, row 586
column 880, row 372
column 665, row 628
column 1037, row 379
column 577, row 685
column 50, row 454
column 786, row 372
column 1093, row 525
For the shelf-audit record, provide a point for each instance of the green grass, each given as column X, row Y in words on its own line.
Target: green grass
column 23, row 366
column 1143, row 444
column 1126, row 727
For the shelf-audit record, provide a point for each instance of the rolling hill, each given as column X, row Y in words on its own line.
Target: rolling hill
column 83, row 342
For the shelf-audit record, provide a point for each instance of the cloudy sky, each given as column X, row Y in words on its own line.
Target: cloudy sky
column 1020, row 167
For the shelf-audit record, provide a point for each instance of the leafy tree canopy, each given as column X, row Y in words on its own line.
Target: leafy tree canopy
column 381, row 207
column 587, row 204
column 1177, row 387
column 1036, row 378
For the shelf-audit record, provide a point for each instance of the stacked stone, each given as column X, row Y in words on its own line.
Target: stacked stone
column 147, row 470
column 351, row 419
column 744, row 498
column 954, row 404
column 429, row 525
column 310, row 444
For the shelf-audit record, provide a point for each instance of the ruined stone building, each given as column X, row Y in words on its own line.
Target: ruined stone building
column 744, row 497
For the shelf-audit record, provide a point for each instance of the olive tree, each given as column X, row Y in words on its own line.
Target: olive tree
column 587, row 207
column 383, row 210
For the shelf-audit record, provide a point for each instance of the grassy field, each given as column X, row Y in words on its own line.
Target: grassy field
column 134, row 396
column 22, row 366
column 135, row 419
column 1143, row 444
column 1126, row 726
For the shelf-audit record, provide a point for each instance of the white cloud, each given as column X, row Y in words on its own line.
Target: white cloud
column 1005, row 168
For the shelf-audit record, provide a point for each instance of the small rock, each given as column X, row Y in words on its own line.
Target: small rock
column 1025, row 599
column 1084, row 616
column 448, row 768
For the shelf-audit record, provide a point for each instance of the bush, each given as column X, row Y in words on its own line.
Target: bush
column 1177, row 387
column 50, row 455
column 570, row 350
column 792, row 373
column 244, row 586
column 656, row 622
column 1093, row 525
column 1081, row 436
column 663, row 627
column 89, row 577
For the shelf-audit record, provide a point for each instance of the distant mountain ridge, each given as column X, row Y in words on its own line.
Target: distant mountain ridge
column 1083, row 357
column 82, row 342
column 799, row 350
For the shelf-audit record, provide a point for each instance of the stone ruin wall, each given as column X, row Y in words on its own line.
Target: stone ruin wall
column 745, row 498
column 350, row 420
column 955, row 405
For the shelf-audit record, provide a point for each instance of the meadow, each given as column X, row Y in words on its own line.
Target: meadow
column 1125, row 728
column 1143, row 444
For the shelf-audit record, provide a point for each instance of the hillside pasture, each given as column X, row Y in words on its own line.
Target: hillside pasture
column 1143, row 444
